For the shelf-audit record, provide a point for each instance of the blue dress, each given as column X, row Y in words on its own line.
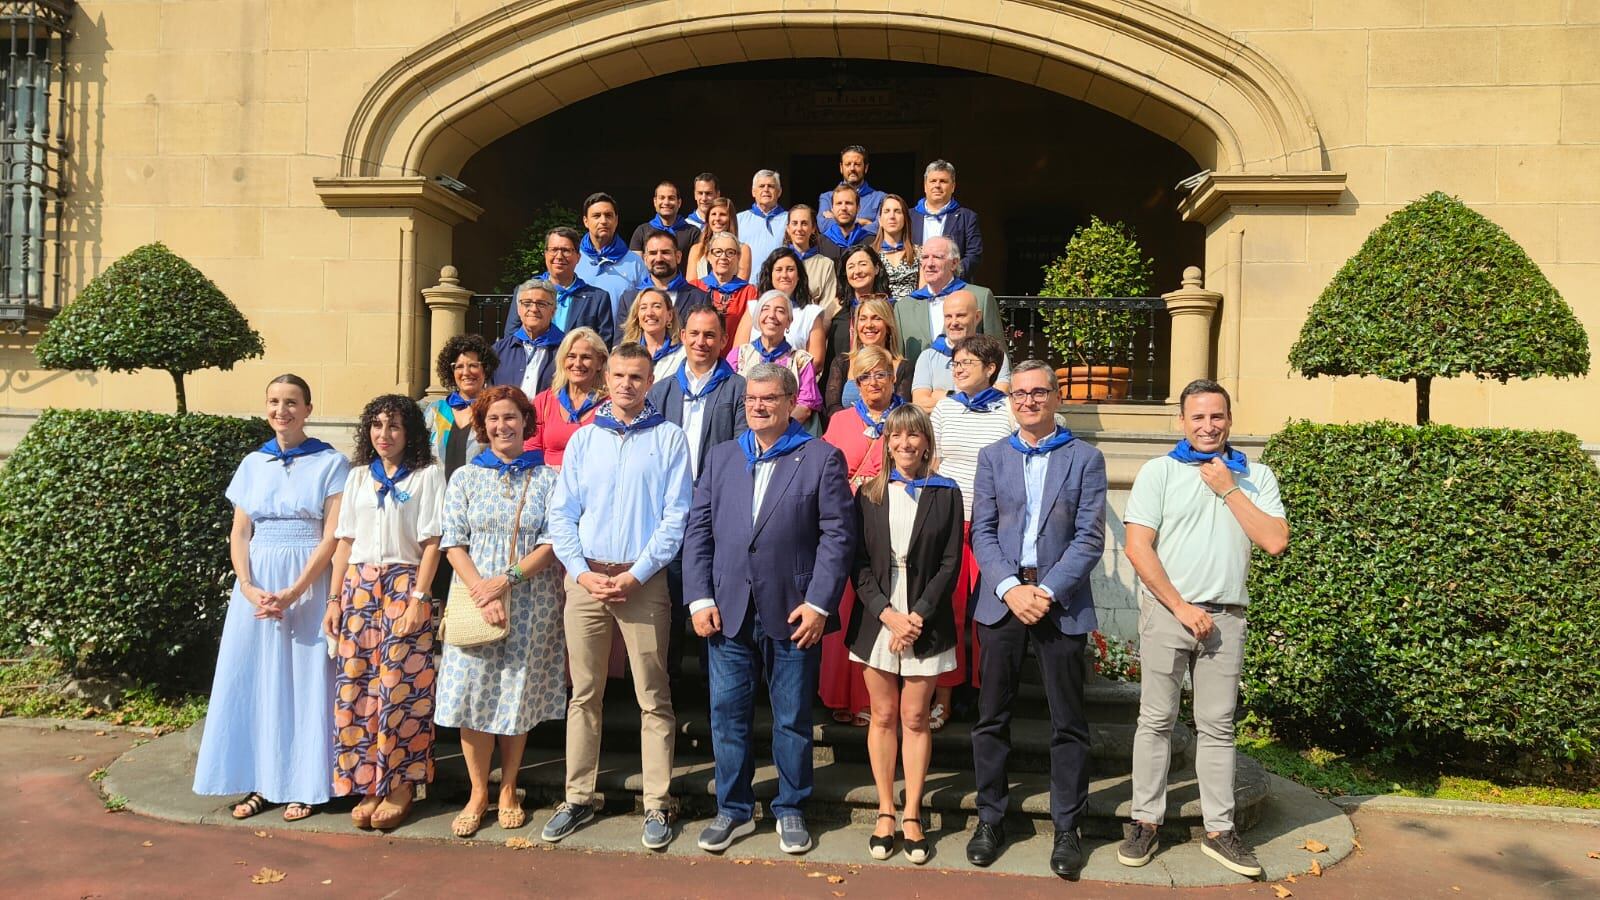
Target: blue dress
column 269, row 727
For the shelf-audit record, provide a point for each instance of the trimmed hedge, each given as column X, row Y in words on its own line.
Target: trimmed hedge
column 114, row 538
column 1440, row 595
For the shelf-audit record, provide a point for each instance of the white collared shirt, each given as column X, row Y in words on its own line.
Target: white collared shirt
column 694, row 415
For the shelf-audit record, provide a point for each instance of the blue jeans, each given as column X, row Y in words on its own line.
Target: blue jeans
column 737, row 664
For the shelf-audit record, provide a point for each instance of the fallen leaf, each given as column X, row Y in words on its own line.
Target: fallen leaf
column 1282, row 891
column 519, row 843
column 76, row 758
column 148, row 844
column 1594, row 854
column 836, row 879
column 815, row 874
column 1312, row 846
column 768, row 862
column 1355, row 843
column 743, row 862
column 1316, row 868
column 267, row 876
column 240, row 862
column 1455, row 888
column 838, row 893
column 1291, row 879
column 99, row 734
column 327, row 881
column 262, row 834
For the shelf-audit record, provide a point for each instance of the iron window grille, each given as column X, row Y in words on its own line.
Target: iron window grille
column 33, row 156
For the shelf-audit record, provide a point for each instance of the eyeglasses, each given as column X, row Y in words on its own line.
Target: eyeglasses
column 1036, row 395
column 467, row 367
column 767, row 400
column 965, row 363
column 535, row 304
column 870, row 377
column 724, row 251
column 559, row 251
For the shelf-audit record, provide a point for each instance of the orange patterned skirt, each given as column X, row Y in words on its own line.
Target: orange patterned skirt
column 383, row 690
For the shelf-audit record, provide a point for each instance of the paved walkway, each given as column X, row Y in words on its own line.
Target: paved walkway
column 60, row 843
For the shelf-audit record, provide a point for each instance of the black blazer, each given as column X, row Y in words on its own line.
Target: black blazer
column 933, row 563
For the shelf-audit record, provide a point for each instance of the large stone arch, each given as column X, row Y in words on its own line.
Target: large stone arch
column 1218, row 98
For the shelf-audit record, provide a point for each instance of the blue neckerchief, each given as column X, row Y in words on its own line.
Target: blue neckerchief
column 305, row 448
column 863, row 191
column 792, row 439
column 942, row 344
column 718, row 376
column 925, row 481
column 1060, row 438
column 674, row 228
column 387, row 485
column 456, row 401
column 550, row 339
column 876, row 426
column 649, row 417
column 1234, row 459
column 524, row 462
column 732, row 285
column 590, row 401
column 922, row 293
column 677, row 283
column 803, row 254
column 773, row 355
column 696, row 219
column 776, row 211
column 984, row 402
column 612, row 253
column 892, row 248
column 564, row 294
column 667, row 349
column 921, row 209
column 834, row 233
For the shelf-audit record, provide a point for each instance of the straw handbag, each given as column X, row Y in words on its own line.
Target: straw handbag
column 463, row 624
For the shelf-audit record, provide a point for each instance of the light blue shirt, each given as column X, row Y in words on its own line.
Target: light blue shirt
column 1034, row 469
column 867, row 208
column 762, row 478
column 615, row 279
column 622, row 499
column 761, row 235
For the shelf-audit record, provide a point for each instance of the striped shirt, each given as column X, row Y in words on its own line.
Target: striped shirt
column 959, row 434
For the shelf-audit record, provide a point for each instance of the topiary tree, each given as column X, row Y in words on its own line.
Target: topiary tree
column 526, row 259
column 150, row 309
column 1437, row 291
column 1102, row 259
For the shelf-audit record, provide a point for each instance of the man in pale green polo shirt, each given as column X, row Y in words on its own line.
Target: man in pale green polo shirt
column 1192, row 518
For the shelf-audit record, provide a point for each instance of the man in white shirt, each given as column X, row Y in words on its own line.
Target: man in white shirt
column 763, row 227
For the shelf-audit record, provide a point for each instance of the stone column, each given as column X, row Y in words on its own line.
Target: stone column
column 447, row 317
column 1192, row 308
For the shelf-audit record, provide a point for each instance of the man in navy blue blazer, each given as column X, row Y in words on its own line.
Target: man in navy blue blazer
column 770, row 541
column 1038, row 531
column 938, row 213
column 528, row 352
column 577, row 303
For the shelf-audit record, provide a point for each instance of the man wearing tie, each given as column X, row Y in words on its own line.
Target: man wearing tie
column 1038, row 530
column 770, row 542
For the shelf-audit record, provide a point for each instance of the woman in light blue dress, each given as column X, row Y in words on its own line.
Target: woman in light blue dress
column 496, row 692
column 268, row 733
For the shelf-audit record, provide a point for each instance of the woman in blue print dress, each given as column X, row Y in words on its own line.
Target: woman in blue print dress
column 268, row 733
column 496, row 692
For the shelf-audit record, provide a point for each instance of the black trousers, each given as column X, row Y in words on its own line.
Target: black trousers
column 1061, row 657
column 683, row 636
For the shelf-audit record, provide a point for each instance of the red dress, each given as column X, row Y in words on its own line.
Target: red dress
column 731, row 305
column 841, row 684
column 555, row 429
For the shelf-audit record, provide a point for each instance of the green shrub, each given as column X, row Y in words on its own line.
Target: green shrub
column 1437, row 291
column 1102, row 259
column 1440, row 596
column 150, row 309
column 114, row 538
column 526, row 259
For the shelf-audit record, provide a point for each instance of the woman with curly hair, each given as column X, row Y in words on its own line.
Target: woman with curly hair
column 382, row 618
column 496, row 692
column 465, row 366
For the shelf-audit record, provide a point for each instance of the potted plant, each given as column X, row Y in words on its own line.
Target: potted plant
column 1102, row 259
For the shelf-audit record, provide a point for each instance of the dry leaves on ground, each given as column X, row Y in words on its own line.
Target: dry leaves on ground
column 519, row 843
column 148, row 844
column 838, row 893
column 1282, row 891
column 743, row 862
column 267, row 876
column 1594, row 854
column 1313, row 846
column 262, row 834
column 1355, row 843
column 1316, row 868
column 76, row 758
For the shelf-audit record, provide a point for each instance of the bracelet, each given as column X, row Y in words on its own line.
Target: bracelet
column 419, row 595
column 1229, row 492
column 513, row 574
column 333, row 598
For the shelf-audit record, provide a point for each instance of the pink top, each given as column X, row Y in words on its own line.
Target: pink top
column 554, row 428
column 745, row 357
column 863, row 455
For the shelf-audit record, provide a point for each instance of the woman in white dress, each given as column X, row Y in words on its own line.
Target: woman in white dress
column 903, row 629
column 496, row 692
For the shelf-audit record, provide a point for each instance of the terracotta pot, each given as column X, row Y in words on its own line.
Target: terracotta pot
column 1093, row 384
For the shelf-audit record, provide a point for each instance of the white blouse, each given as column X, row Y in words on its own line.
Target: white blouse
column 392, row 535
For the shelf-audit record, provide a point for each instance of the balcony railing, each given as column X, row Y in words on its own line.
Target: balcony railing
column 1158, row 344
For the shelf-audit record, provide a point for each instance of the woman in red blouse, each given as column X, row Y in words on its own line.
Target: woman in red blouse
column 579, row 387
column 730, row 294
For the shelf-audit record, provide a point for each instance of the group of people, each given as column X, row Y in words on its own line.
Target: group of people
column 597, row 500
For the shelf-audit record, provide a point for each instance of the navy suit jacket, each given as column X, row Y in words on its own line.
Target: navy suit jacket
column 960, row 226
column 799, row 549
column 724, row 420
column 514, row 359
column 687, row 299
column 1072, row 530
column 591, row 306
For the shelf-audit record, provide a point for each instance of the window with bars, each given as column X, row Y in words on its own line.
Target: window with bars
column 33, row 150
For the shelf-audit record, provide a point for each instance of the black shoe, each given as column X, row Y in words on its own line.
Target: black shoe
column 1226, row 848
column 984, row 848
column 1066, row 859
column 882, row 846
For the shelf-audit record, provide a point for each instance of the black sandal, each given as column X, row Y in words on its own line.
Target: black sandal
column 882, row 846
column 917, row 850
column 253, row 805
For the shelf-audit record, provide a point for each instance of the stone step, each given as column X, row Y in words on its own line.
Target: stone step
column 1111, row 743
column 843, row 792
